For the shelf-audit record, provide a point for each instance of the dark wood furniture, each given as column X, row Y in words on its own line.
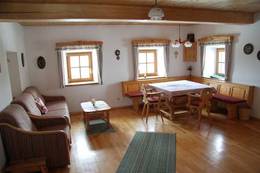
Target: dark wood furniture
column 28, row 165
column 95, row 110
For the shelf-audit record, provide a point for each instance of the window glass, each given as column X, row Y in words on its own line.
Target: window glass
column 75, row 74
column 84, row 61
column 74, row 61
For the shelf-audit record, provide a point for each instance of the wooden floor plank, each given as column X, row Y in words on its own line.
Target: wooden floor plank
column 223, row 146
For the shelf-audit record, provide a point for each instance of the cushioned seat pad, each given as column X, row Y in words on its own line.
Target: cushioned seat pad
column 57, row 105
column 62, row 113
column 134, row 94
column 227, row 99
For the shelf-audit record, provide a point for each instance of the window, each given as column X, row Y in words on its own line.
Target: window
column 151, row 62
column 214, row 62
column 79, row 67
column 147, row 62
column 220, row 65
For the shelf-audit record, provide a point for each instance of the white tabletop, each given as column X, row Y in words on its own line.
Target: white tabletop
column 99, row 106
column 180, row 87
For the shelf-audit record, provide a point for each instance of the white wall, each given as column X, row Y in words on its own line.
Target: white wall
column 245, row 68
column 11, row 39
column 41, row 41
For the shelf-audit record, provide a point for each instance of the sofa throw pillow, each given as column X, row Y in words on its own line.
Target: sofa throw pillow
column 40, row 104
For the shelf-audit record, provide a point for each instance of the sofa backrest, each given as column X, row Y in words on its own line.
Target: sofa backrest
column 34, row 92
column 15, row 115
column 27, row 101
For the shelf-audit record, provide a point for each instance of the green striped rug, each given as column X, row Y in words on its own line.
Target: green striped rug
column 150, row 152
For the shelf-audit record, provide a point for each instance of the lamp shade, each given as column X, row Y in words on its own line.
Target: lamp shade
column 156, row 13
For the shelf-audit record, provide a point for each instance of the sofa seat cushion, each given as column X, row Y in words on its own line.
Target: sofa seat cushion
column 134, row 94
column 57, row 105
column 227, row 99
column 64, row 128
column 61, row 112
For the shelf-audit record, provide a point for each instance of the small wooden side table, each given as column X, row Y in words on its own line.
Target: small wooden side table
column 30, row 165
column 100, row 110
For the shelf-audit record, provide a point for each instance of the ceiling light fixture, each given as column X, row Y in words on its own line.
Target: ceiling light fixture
column 180, row 42
column 156, row 13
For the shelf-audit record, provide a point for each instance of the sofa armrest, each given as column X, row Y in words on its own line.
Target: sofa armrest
column 20, row 144
column 45, row 121
column 53, row 98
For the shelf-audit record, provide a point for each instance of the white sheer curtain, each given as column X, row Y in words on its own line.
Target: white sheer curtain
column 206, row 58
column 202, row 59
column 228, row 53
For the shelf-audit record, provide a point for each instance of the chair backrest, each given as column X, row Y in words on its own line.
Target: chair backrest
column 27, row 101
column 34, row 92
column 206, row 96
column 15, row 115
column 144, row 91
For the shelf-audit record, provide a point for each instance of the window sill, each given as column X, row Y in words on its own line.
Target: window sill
column 81, row 83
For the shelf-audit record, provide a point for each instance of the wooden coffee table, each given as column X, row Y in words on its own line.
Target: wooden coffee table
column 93, row 112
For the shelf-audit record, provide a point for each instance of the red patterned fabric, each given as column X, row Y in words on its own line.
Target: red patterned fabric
column 40, row 104
column 134, row 94
column 153, row 99
column 227, row 99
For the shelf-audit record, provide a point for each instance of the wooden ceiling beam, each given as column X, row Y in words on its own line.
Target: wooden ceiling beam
column 45, row 11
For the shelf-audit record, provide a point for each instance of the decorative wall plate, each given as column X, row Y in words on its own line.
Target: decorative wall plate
column 41, row 62
column 248, row 48
column 258, row 55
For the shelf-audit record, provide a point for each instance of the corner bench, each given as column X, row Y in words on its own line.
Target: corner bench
column 231, row 102
column 233, row 95
column 131, row 89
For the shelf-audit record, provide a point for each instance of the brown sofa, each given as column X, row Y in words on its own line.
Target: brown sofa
column 57, row 106
column 26, row 138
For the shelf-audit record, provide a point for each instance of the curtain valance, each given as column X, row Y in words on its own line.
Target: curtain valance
column 216, row 39
column 151, row 42
column 78, row 45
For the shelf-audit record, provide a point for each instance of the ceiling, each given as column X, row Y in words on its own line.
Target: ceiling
column 46, row 12
column 230, row 5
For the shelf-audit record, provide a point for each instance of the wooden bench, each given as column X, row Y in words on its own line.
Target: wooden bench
column 231, row 94
column 131, row 88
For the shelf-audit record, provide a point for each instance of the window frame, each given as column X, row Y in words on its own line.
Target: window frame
column 155, row 63
column 80, row 80
column 218, row 50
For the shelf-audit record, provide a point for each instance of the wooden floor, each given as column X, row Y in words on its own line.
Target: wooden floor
column 222, row 147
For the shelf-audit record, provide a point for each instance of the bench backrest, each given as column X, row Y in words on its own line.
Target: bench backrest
column 241, row 91
column 135, row 85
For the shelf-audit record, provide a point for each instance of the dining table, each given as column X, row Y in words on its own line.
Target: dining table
column 176, row 93
column 178, row 88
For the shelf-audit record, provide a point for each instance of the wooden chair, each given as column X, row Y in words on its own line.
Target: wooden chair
column 199, row 101
column 166, row 109
column 151, row 98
